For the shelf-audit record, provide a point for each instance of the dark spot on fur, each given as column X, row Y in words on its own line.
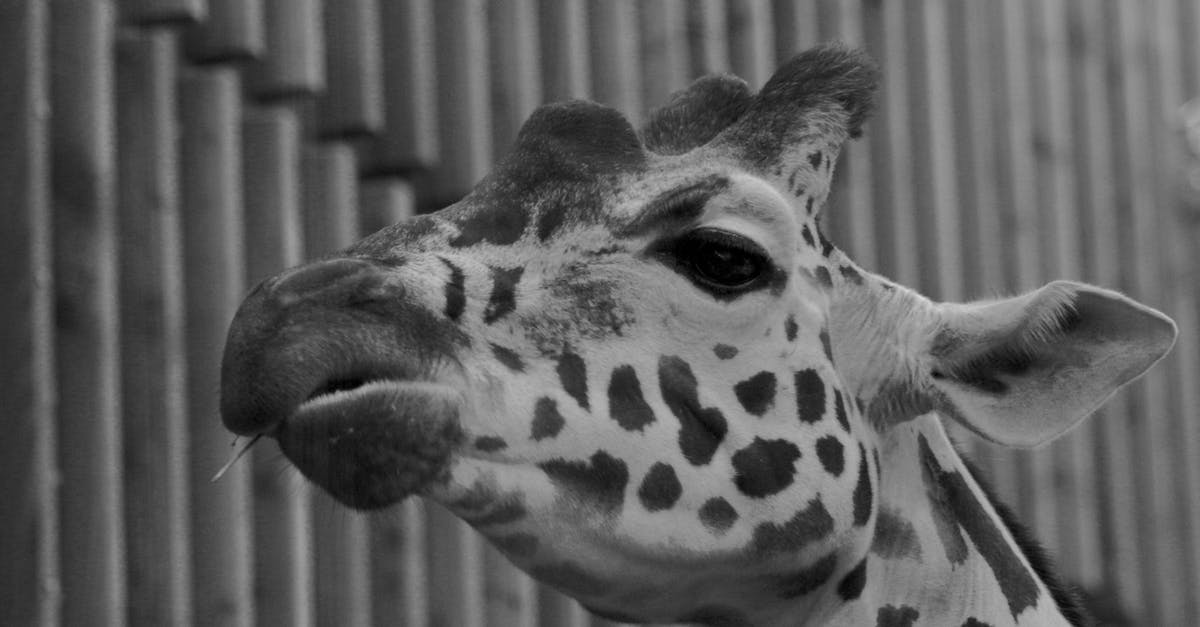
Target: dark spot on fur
column 892, row 616
column 517, row 544
column 600, row 481
column 822, row 275
column 895, row 536
column 943, row 516
column 508, row 357
column 715, row 616
column 810, row 396
column 718, row 515
column 570, row 578
column 757, row 393
column 550, row 220
column 851, row 275
column 660, row 489
column 503, row 299
column 806, row 233
column 832, row 455
column 853, row 583
column 626, row 404
column 825, row 345
column 547, row 422
column 814, row 159
column 827, row 246
column 804, row 581
column 572, row 372
column 1016, row 583
column 862, row 491
column 494, row 225
column 456, row 299
column 975, row 622
column 808, row 525
column 701, row 429
column 839, row 410
column 725, row 351
column 790, row 328
column 765, row 467
column 490, row 443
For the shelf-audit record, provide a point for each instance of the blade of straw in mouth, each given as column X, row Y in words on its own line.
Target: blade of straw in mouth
column 236, row 456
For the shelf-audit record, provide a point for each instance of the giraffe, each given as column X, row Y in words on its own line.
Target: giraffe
column 635, row 364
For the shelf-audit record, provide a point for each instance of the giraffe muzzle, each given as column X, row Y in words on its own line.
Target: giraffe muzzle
column 335, row 362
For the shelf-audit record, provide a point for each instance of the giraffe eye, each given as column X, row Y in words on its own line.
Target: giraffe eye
column 720, row 261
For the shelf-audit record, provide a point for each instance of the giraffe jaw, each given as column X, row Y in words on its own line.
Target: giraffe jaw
column 376, row 444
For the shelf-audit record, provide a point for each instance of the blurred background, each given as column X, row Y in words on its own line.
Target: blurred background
column 159, row 157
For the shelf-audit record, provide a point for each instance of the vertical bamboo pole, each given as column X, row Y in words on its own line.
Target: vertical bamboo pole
column 751, row 40
column 1138, row 202
column 283, row 548
column 566, row 72
column 708, row 37
column 342, row 566
column 146, row 12
column 29, row 543
column 293, row 62
column 85, row 264
column 1178, row 232
column 399, row 571
column 456, row 571
column 463, row 102
column 516, row 88
column 153, row 366
column 211, row 161
column 232, row 30
column 1071, row 458
column 796, row 25
column 352, row 103
column 615, row 57
column 1092, row 134
column 409, row 139
column 662, row 29
column 851, row 210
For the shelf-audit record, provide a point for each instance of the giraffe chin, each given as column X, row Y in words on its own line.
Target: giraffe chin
column 375, row 445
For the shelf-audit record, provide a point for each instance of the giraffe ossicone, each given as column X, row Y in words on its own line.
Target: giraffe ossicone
column 636, row 365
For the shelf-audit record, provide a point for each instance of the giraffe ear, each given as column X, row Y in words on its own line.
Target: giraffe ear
column 696, row 114
column 1024, row 370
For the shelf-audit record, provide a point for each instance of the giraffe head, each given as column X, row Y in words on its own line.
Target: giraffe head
column 635, row 364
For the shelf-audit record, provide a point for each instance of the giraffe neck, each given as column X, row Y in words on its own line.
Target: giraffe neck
column 941, row 552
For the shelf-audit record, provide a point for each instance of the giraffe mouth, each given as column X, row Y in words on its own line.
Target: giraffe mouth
column 371, row 443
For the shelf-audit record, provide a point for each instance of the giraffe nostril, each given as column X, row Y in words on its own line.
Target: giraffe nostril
column 316, row 277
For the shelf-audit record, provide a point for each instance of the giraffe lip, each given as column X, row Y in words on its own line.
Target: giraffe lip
column 375, row 443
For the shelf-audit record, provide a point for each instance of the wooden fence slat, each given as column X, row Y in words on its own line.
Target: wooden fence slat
column 463, row 101
column 516, row 82
column 232, row 30
column 340, row 540
column 210, row 164
column 283, row 546
column 410, row 89
column 153, row 366
column 89, row 434
column 146, row 12
column 352, row 103
column 566, row 71
column 616, row 64
column 293, row 62
column 29, row 541
column 708, row 33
